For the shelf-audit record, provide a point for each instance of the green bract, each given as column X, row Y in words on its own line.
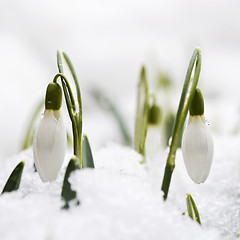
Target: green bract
column 53, row 98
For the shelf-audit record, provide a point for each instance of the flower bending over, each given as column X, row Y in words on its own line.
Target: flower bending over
column 197, row 142
column 49, row 144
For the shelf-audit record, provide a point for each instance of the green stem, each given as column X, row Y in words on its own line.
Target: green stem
column 60, row 68
column 188, row 90
column 78, row 115
column 70, row 66
column 79, row 99
column 72, row 114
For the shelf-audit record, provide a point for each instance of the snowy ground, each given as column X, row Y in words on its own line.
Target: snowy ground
column 121, row 199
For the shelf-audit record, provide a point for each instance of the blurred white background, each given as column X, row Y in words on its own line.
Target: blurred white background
column 107, row 42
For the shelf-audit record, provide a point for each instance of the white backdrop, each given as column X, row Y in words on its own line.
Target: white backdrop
column 107, row 42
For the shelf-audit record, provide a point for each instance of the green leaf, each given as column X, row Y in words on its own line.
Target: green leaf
column 188, row 90
column 74, row 113
column 66, row 86
column 192, row 208
column 67, row 193
column 189, row 207
column 14, row 180
column 87, row 158
column 59, row 62
column 74, row 75
column 77, row 122
column 141, row 114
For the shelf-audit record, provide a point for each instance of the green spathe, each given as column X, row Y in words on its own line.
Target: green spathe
column 53, row 99
column 197, row 104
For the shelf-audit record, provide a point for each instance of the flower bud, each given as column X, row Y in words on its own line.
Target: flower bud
column 197, row 142
column 49, row 143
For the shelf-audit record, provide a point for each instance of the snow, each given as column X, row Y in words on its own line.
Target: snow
column 121, row 199
column 107, row 42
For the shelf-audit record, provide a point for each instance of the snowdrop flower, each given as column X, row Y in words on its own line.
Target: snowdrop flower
column 153, row 143
column 197, row 142
column 49, row 144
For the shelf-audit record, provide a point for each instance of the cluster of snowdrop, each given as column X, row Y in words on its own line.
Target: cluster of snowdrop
column 196, row 142
column 50, row 138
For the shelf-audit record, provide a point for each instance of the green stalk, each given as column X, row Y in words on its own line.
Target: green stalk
column 72, row 113
column 188, row 90
column 79, row 99
column 77, row 114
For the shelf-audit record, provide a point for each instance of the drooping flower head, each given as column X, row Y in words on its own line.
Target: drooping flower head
column 197, row 142
column 154, row 115
column 49, row 144
column 153, row 143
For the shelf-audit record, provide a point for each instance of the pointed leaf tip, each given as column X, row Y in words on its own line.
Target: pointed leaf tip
column 192, row 208
column 87, row 157
column 14, row 180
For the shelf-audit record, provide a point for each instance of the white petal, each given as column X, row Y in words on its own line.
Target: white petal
column 49, row 145
column 197, row 149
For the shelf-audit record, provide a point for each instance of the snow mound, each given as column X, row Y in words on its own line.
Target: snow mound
column 118, row 200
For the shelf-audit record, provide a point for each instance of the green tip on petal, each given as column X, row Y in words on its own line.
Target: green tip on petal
column 53, row 98
column 154, row 115
column 197, row 104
